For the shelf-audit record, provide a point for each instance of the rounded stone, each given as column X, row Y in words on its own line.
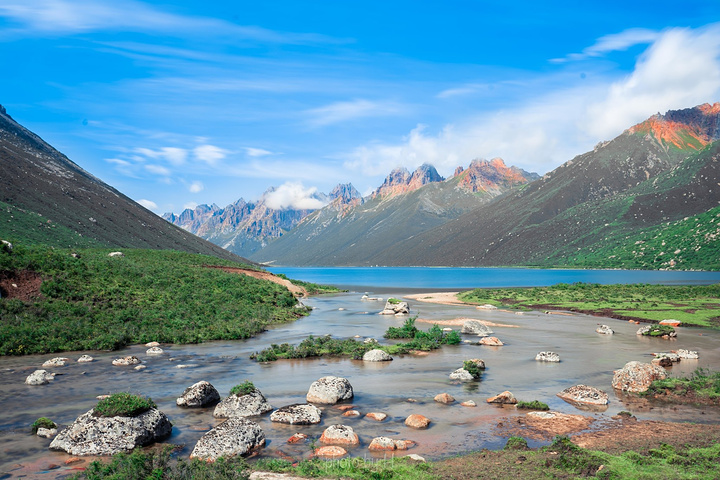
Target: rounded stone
column 200, row 394
column 417, row 421
column 297, row 414
column 376, row 355
column 235, row 436
column 339, row 434
column 330, row 390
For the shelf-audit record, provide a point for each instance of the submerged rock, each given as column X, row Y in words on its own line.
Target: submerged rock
column 462, row 375
column 444, row 398
column 331, row 451
column 491, row 341
column 93, row 435
column 128, row 360
column 547, row 357
column 154, row 351
column 605, row 330
column 39, row 377
column 636, row 377
column 200, row 394
column 330, row 390
column 504, row 398
column 474, row 327
column 377, row 416
column 56, row 362
column 687, row 354
column 250, row 404
column 584, row 394
column 235, row 436
column 85, row 359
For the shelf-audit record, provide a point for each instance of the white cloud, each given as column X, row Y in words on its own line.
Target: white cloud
column 190, row 205
column 149, row 204
column 257, row 152
column 209, row 154
column 196, row 187
column 679, row 70
column 613, row 43
column 293, row 195
column 459, row 91
column 173, row 155
column 157, row 169
column 344, row 111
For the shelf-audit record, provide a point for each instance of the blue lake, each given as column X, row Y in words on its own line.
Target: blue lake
column 467, row 278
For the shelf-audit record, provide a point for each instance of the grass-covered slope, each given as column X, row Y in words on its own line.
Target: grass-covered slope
column 693, row 305
column 60, row 302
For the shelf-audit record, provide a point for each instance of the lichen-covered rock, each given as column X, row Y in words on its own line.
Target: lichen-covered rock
column 643, row 330
column 330, row 390
column 380, row 444
column 636, row 377
column 444, row 398
column 504, row 398
column 462, row 375
column 235, row 436
column 491, row 342
column 584, row 394
column 297, row 414
column 469, row 403
column 46, row 432
column 154, row 351
column 92, row 435
column 39, row 377
column 340, row 435
column 395, row 307
column 417, row 421
column 473, row 327
column 85, row 359
column 547, row 357
column 376, row 355
column 56, row 362
column 200, row 394
column 605, row 330
column 250, row 404
column 672, row 356
column 127, row 360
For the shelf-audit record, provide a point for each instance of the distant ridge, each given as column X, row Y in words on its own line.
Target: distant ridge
column 46, row 198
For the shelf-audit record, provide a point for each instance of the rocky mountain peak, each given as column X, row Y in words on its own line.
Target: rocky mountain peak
column 491, row 176
column 400, row 180
column 345, row 191
column 689, row 128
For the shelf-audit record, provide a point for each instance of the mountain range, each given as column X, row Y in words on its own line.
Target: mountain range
column 645, row 199
column 46, row 198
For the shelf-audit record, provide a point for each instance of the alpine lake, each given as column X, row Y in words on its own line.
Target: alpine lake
column 398, row 388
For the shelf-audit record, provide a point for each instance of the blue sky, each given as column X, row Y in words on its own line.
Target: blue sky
column 182, row 103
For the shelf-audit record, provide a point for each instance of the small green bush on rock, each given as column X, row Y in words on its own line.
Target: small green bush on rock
column 659, row 330
column 123, row 404
column 243, row 389
column 42, row 422
column 516, row 443
column 534, row 405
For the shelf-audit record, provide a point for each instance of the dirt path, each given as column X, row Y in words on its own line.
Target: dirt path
column 262, row 275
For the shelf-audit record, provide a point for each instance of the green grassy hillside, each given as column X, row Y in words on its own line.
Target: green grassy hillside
column 53, row 302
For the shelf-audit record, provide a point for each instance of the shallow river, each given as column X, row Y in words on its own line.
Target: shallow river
column 587, row 358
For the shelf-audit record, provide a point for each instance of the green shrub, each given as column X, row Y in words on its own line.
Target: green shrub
column 408, row 330
column 42, row 422
column 534, row 405
column 516, row 443
column 659, row 330
column 123, row 404
column 393, row 301
column 472, row 367
column 243, row 389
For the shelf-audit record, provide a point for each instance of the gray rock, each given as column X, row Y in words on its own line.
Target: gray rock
column 46, row 432
column 235, row 436
column 39, row 377
column 473, row 327
column 687, row 354
column 605, row 330
column 154, row 351
column 330, row 390
column 7, row 245
column 547, row 357
column 399, row 308
column 200, row 394
column 673, row 357
column 462, row 375
column 339, row 434
column 56, row 362
column 376, row 355
column 415, row 457
column 85, row 359
column 116, row 254
column 584, row 394
column 643, row 330
column 253, row 403
column 91, row 435
column 297, row 414
column 127, row 360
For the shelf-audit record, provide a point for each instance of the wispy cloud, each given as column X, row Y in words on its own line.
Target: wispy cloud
column 463, row 90
column 613, row 43
column 58, row 17
column 158, row 170
column 351, row 110
column 209, row 154
column 196, row 187
column 257, row 152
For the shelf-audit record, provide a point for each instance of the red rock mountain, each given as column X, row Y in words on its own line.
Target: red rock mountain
column 401, row 181
column 690, row 128
column 483, row 176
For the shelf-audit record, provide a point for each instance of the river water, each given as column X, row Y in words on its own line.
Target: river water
column 587, row 358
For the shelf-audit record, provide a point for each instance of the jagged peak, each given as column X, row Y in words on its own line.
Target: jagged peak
column 345, row 191
column 689, row 128
column 400, row 180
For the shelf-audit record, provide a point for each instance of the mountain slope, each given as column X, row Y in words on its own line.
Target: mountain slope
column 46, row 198
column 406, row 205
